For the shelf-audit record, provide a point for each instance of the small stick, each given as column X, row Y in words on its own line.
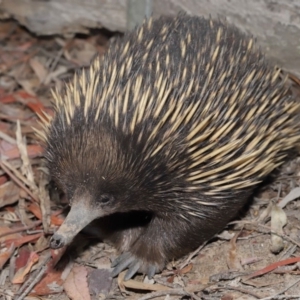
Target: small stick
column 283, row 291
column 169, row 292
column 23, row 228
column 4, row 165
column 33, row 283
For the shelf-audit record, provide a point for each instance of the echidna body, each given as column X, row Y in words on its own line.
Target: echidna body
column 166, row 136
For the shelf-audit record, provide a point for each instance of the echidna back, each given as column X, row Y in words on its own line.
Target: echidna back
column 192, row 100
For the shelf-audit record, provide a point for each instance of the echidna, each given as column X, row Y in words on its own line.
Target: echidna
column 166, row 136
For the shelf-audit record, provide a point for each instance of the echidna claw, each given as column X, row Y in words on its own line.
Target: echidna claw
column 151, row 271
column 133, row 268
column 121, row 263
column 116, row 261
column 134, row 265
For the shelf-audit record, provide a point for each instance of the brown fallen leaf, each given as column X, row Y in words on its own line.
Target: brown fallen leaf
column 137, row 285
column 273, row 266
column 5, row 99
column 22, row 258
column 36, row 210
column 29, row 85
column 180, row 272
column 278, row 221
column 19, row 277
column 99, row 282
column 39, row 69
column 5, row 255
column 15, row 113
column 3, row 179
column 292, row 195
column 232, row 258
column 32, row 102
column 51, row 283
column 41, row 244
column 23, row 240
column 8, row 151
column 76, row 285
column 53, row 280
column 9, row 193
column 7, row 233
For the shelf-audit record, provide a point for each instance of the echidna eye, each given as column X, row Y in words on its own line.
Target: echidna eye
column 105, row 198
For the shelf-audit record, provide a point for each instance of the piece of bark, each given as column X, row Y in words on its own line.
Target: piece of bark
column 68, row 16
column 275, row 23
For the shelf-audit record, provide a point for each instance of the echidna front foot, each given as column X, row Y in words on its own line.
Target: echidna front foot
column 134, row 265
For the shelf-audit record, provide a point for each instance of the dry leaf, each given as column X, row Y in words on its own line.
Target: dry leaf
column 137, row 285
column 26, row 168
column 3, row 179
column 41, row 244
column 292, row 195
column 36, row 210
column 99, row 281
column 24, row 239
column 15, row 113
column 39, row 69
column 5, row 255
column 53, row 75
column 232, row 258
column 6, row 235
column 50, row 284
column 29, row 85
column 278, row 221
column 54, row 278
column 9, row 193
column 22, row 258
column 22, row 272
column 9, row 151
column 273, row 266
column 76, row 285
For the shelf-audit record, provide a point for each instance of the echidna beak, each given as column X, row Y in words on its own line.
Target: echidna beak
column 79, row 216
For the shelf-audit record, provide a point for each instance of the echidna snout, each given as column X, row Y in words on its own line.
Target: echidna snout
column 85, row 208
column 168, row 134
column 80, row 215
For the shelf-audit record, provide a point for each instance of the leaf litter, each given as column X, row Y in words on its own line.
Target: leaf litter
column 256, row 256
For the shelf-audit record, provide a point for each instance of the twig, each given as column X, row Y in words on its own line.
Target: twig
column 45, row 201
column 56, row 59
column 189, row 258
column 241, row 290
column 31, row 282
column 13, row 175
column 6, row 292
column 169, row 292
column 7, row 138
column 283, row 291
column 285, row 297
column 14, row 171
column 268, row 230
column 23, row 228
column 293, row 78
column 170, row 285
column 26, row 166
column 61, row 60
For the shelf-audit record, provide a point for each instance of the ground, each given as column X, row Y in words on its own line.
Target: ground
column 245, row 261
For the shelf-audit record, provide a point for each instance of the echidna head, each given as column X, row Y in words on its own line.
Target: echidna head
column 93, row 170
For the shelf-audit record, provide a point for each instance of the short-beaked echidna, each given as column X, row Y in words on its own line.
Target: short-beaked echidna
column 165, row 137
